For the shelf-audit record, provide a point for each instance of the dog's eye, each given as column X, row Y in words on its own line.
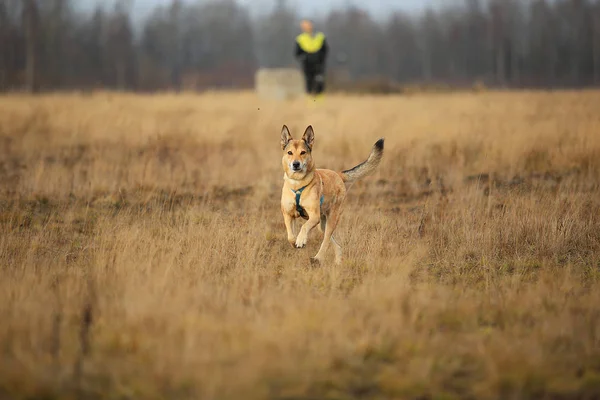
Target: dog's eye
column 290, row 153
column 302, row 153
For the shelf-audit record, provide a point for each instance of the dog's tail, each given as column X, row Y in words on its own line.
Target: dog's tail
column 366, row 167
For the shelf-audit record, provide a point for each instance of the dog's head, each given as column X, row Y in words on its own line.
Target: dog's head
column 297, row 158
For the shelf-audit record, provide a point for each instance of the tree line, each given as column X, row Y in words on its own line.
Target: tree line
column 51, row 45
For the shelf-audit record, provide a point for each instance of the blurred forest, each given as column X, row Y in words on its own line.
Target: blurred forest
column 52, row 45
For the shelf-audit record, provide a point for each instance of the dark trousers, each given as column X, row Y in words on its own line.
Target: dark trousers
column 315, row 81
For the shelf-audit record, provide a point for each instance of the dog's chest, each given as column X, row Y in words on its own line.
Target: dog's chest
column 288, row 203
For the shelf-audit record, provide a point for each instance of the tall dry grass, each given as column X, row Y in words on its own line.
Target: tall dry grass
column 143, row 254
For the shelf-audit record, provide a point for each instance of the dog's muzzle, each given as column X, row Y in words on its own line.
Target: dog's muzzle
column 296, row 166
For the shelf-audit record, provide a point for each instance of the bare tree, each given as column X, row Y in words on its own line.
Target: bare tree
column 54, row 42
column 275, row 34
column 402, row 49
column 4, row 43
column 120, row 46
column 31, row 24
column 596, row 42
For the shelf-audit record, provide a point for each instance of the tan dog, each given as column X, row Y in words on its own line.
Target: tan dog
column 316, row 195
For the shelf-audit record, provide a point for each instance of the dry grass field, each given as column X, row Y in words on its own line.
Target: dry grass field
column 143, row 254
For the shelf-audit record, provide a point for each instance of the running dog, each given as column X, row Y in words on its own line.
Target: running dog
column 316, row 195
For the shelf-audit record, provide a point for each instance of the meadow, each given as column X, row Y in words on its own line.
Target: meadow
column 143, row 253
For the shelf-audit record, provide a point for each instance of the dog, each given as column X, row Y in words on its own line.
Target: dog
column 316, row 195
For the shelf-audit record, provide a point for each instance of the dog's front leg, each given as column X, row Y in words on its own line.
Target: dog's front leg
column 314, row 219
column 287, row 218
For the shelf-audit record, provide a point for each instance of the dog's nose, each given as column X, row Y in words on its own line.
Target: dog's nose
column 296, row 164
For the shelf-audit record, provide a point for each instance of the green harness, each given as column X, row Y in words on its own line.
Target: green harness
column 299, row 208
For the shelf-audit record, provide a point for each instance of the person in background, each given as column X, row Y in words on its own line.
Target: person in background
column 311, row 51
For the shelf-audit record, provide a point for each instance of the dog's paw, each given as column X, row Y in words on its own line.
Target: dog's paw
column 300, row 242
column 292, row 241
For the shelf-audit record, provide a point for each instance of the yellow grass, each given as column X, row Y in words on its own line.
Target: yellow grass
column 143, row 253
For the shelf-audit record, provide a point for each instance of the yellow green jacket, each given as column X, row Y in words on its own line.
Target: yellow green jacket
column 311, row 50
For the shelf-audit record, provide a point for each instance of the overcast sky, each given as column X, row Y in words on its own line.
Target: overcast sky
column 308, row 8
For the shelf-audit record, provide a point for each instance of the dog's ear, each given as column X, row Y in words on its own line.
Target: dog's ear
column 285, row 137
column 309, row 136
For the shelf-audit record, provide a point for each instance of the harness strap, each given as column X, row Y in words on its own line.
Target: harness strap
column 299, row 208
